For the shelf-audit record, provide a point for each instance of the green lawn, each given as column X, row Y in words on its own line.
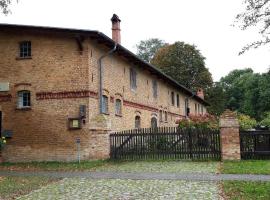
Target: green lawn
column 246, row 167
column 11, row 187
column 246, row 190
column 53, row 166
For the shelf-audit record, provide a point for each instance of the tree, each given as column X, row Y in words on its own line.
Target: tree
column 185, row 64
column 247, row 92
column 257, row 13
column 215, row 95
column 146, row 49
column 4, row 6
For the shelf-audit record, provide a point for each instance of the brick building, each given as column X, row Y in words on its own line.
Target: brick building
column 52, row 91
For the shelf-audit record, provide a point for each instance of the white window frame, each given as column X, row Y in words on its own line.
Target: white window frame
column 24, row 99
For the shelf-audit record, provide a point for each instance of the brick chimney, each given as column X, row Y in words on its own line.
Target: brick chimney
column 200, row 93
column 116, row 31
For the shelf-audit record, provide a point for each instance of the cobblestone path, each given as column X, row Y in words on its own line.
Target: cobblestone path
column 112, row 189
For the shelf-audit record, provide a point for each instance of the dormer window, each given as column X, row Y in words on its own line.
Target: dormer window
column 25, row 49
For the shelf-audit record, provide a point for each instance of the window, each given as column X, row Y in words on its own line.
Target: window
column 133, row 79
column 105, row 108
column 160, row 116
column 195, row 109
column 198, row 108
column 137, row 122
column 165, row 116
column 24, row 99
column 177, row 101
column 153, row 122
column 202, row 109
column 25, row 49
column 154, row 83
column 172, row 98
column 118, row 107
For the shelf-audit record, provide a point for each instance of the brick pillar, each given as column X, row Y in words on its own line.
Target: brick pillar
column 100, row 128
column 230, row 139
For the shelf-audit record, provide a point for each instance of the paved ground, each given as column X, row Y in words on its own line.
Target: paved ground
column 143, row 176
column 136, row 180
column 75, row 188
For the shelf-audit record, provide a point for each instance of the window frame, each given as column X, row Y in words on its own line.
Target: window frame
column 25, row 49
column 155, row 88
column 165, row 116
column 23, row 99
column 118, row 110
column 160, row 116
column 137, row 122
column 178, row 100
column 133, row 79
column 172, row 98
column 105, row 108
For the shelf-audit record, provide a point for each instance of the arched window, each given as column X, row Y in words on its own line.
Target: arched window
column 24, row 99
column 118, row 107
column 105, row 107
column 153, row 122
column 137, row 122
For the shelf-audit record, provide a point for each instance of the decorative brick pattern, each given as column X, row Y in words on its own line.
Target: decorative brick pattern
column 65, row 95
column 5, row 98
column 230, row 139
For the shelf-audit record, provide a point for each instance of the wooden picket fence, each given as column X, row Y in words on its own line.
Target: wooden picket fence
column 166, row 143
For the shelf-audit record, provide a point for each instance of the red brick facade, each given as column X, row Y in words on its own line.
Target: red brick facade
column 61, row 76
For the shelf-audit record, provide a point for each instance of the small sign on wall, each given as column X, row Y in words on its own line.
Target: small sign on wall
column 4, row 87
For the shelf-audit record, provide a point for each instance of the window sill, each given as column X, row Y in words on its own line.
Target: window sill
column 23, row 58
column 118, row 115
column 24, row 108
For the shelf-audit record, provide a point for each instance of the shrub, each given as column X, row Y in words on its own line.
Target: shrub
column 266, row 120
column 199, row 121
column 246, row 122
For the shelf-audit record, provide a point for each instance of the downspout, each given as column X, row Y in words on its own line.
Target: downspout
column 101, row 75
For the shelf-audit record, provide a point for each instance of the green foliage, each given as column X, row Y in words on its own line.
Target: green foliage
column 12, row 187
column 146, row 49
column 246, row 122
column 246, row 167
column 247, row 92
column 215, row 95
column 185, row 64
column 266, row 120
column 199, row 121
column 248, row 190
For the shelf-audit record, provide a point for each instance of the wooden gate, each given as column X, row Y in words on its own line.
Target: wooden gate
column 255, row 144
column 166, row 143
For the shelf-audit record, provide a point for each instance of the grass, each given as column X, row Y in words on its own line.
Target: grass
column 246, row 167
column 12, row 187
column 53, row 166
column 246, row 190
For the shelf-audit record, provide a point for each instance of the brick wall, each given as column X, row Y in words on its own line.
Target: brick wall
column 230, row 139
column 61, row 78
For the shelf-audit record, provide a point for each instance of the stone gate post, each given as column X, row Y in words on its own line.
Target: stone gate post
column 230, row 139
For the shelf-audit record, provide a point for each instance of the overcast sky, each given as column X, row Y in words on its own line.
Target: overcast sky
column 207, row 24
